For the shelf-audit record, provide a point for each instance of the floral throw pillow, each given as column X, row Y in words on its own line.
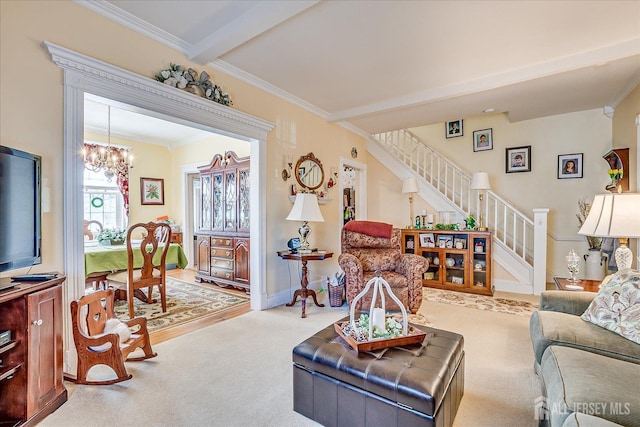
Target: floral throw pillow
column 617, row 305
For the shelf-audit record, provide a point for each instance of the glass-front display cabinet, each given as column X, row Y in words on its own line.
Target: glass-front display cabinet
column 458, row 260
column 223, row 236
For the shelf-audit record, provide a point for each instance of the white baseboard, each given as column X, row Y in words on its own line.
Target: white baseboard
column 511, row 286
column 284, row 297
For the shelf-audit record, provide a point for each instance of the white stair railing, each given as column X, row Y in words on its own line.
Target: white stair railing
column 511, row 227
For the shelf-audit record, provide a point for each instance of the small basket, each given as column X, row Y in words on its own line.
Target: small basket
column 336, row 295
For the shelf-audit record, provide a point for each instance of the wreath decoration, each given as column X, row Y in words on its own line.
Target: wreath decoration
column 189, row 80
column 97, row 202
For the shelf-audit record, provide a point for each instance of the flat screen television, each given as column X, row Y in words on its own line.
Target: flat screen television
column 20, row 209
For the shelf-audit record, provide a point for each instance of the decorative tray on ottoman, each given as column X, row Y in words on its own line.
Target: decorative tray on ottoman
column 360, row 334
column 413, row 336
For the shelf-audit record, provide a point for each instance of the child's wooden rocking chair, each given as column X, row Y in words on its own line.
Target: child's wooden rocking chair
column 95, row 346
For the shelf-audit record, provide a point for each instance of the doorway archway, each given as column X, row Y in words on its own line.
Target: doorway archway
column 83, row 74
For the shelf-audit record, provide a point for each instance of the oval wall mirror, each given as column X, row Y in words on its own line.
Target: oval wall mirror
column 309, row 172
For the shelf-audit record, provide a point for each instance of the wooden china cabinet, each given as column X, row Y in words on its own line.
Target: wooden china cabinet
column 458, row 260
column 223, row 233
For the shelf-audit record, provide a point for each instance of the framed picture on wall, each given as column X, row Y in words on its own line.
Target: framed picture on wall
column 453, row 129
column 518, row 159
column 570, row 166
column 152, row 191
column 483, row 139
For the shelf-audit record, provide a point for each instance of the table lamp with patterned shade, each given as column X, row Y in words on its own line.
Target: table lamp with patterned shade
column 615, row 215
column 305, row 209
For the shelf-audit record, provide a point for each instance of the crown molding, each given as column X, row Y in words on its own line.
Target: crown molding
column 242, row 75
column 123, row 17
column 633, row 82
column 258, row 83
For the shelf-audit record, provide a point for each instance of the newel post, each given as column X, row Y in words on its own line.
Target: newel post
column 539, row 250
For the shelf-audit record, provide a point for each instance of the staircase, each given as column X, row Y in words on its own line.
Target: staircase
column 518, row 239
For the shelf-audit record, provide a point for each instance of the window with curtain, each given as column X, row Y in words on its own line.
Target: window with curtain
column 103, row 201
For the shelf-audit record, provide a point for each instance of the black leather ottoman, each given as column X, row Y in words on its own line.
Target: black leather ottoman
column 416, row 385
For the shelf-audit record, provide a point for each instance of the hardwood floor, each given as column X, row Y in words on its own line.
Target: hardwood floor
column 189, row 276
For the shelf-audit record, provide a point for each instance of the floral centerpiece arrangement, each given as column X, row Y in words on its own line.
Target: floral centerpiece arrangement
column 360, row 332
column 595, row 243
column 189, row 80
column 111, row 236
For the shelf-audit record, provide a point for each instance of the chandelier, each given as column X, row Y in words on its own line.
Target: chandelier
column 113, row 160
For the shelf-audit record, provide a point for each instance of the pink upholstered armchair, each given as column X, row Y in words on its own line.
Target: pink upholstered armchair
column 368, row 246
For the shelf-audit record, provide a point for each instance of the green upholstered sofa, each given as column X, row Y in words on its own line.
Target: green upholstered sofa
column 590, row 376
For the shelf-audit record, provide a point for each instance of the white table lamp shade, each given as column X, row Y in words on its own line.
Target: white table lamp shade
column 480, row 181
column 306, row 208
column 615, row 215
column 409, row 185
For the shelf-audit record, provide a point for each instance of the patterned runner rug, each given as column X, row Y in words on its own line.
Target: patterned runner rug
column 480, row 302
column 185, row 302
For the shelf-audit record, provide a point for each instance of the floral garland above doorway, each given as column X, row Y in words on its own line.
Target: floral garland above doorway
column 188, row 80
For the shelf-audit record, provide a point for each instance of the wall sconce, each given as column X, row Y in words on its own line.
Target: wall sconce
column 287, row 167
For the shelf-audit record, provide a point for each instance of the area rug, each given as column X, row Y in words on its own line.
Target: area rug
column 185, row 302
column 418, row 319
column 480, row 302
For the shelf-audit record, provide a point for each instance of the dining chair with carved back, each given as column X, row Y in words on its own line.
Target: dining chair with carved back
column 163, row 234
column 153, row 249
column 91, row 229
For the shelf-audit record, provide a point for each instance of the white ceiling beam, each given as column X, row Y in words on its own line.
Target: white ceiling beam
column 596, row 57
column 264, row 16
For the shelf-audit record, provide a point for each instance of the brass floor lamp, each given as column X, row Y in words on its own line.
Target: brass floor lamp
column 480, row 182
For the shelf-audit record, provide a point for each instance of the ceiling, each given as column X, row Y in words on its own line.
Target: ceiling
column 375, row 66
column 106, row 117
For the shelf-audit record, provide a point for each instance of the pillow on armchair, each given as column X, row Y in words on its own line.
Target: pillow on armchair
column 617, row 306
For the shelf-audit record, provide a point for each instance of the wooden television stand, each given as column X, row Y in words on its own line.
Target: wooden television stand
column 31, row 369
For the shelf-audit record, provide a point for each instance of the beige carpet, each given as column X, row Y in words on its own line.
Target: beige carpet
column 239, row 373
column 185, row 302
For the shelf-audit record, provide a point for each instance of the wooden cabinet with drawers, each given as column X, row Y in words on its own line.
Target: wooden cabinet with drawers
column 223, row 260
column 223, row 231
column 222, row 257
